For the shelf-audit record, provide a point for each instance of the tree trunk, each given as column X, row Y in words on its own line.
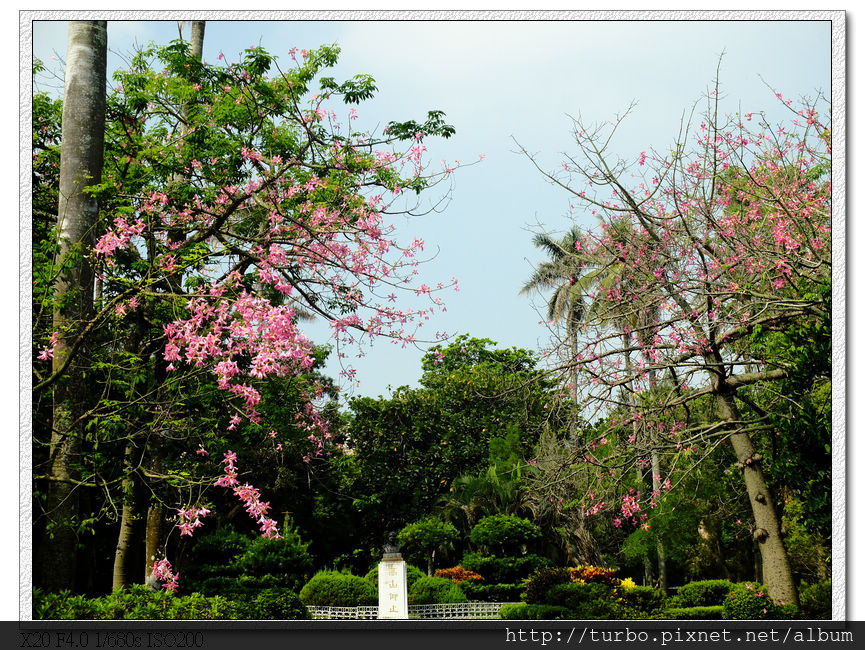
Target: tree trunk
column 196, row 39
column 767, row 530
column 153, row 530
column 125, row 537
column 82, row 138
column 662, row 555
column 152, row 539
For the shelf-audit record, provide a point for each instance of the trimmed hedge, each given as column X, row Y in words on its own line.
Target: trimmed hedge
column 235, row 566
column 642, row 602
column 496, row 593
column 273, row 604
column 141, row 603
column 586, row 601
column 504, row 570
column 712, row 613
column 542, row 580
column 529, row 612
column 335, row 589
column 429, row 591
column 703, row 593
column 816, row 600
column 506, row 532
column 749, row 601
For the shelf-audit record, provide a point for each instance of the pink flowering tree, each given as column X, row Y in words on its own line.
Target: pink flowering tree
column 698, row 256
column 235, row 202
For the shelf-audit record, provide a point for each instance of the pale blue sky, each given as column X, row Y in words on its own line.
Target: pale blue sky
column 501, row 80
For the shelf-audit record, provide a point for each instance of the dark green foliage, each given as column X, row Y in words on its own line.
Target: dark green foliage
column 815, row 601
column 524, row 612
column 505, row 533
column 704, row 593
column 284, row 560
column 504, row 569
column 585, row 601
column 749, row 601
column 713, row 613
column 138, row 602
column 430, row 590
column 227, row 563
column 423, row 538
column 800, row 442
column 642, row 602
column 335, row 589
column 63, row 605
column 495, row 593
column 273, row 604
column 217, row 550
column 540, row 582
column 410, row 448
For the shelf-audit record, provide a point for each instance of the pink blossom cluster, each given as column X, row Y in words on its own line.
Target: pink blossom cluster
column 249, row 495
column 47, row 352
column 162, row 571
column 190, row 519
column 118, row 238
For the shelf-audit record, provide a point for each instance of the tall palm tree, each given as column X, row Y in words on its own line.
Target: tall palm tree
column 570, row 274
column 561, row 272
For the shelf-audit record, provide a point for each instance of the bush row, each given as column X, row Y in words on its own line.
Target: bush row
column 140, row 602
column 587, row 593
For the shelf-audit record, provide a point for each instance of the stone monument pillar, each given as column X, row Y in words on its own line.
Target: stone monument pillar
column 392, row 582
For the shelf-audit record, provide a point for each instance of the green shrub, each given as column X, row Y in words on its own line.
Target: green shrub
column 63, row 605
column 284, row 561
column 495, row 593
column 505, row 532
column 540, row 582
column 422, row 538
column 226, row 586
column 530, row 612
column 429, row 591
column 335, row 589
column 197, row 606
column 704, row 593
column 214, row 556
column 712, row 613
column 750, row 601
column 504, row 569
column 815, row 600
column 642, row 602
column 585, row 601
column 136, row 602
column 272, row 604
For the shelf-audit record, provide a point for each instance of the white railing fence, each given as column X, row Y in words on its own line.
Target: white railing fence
column 471, row 610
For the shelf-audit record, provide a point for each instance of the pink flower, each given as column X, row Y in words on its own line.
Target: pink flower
column 48, row 352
